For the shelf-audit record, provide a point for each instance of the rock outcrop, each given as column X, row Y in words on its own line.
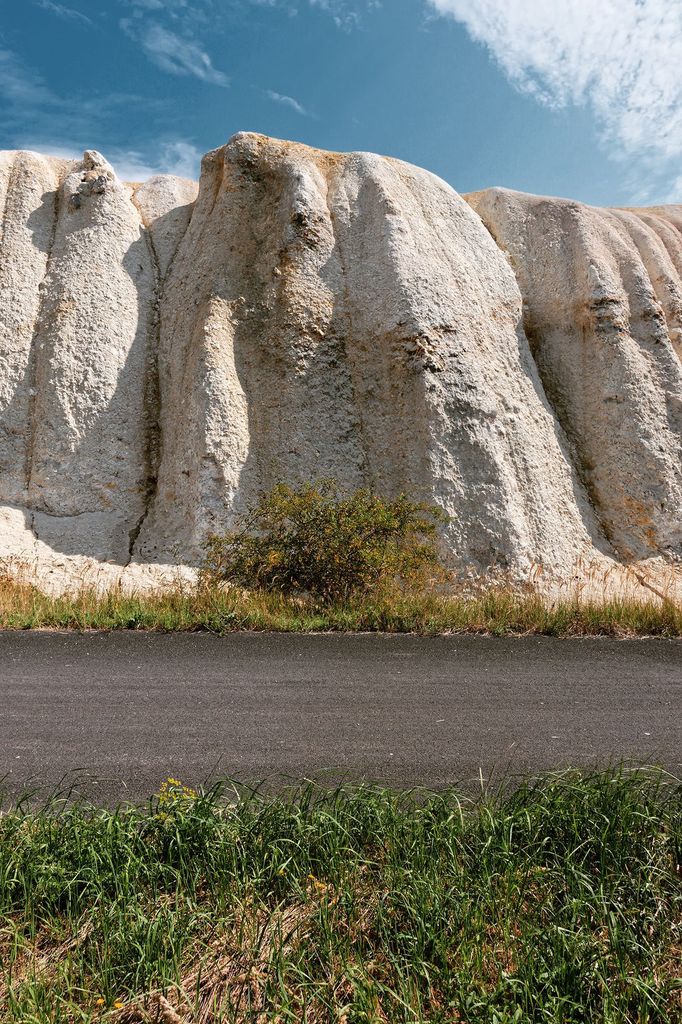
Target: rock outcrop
column 167, row 354
column 602, row 294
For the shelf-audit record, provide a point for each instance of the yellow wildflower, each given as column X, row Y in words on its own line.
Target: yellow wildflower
column 172, row 790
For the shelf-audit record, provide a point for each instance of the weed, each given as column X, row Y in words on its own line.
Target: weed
column 316, row 540
column 558, row 901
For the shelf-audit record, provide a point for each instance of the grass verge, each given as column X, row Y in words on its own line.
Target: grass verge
column 498, row 611
column 558, row 902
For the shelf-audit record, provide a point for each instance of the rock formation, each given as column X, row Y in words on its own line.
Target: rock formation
column 165, row 354
column 602, row 294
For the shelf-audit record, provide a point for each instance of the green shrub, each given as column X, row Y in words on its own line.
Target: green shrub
column 314, row 539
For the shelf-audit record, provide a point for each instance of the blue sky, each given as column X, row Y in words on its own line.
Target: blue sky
column 581, row 98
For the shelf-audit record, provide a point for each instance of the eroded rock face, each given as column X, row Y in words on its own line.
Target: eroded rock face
column 164, row 356
column 82, row 260
column 28, row 198
column 602, row 296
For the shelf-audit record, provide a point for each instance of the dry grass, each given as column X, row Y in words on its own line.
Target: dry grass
column 227, row 976
column 494, row 608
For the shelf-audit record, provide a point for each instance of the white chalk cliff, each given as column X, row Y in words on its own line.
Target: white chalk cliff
column 167, row 351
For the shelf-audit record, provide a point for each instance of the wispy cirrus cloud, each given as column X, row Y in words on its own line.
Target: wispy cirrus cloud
column 21, row 86
column 160, row 5
column 38, row 118
column 346, row 14
column 185, row 15
column 172, row 52
column 28, row 102
column 69, row 13
column 288, row 101
column 622, row 58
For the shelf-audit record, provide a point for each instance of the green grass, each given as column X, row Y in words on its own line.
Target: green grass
column 499, row 611
column 560, row 901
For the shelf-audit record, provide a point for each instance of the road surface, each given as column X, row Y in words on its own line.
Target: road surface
column 114, row 714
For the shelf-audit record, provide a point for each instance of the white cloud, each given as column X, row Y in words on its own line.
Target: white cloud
column 346, row 14
column 64, row 12
column 621, row 57
column 36, row 117
column 20, row 86
column 343, row 16
column 159, row 5
column 288, row 101
column 173, row 53
column 180, row 157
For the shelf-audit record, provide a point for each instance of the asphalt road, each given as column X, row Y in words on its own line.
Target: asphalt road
column 114, row 714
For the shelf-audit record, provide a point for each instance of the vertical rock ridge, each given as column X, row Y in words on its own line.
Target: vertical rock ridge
column 30, row 184
column 668, row 284
column 165, row 206
column 7, row 164
column 453, row 399
column 32, row 371
column 657, row 288
column 90, row 448
column 343, row 313
column 200, row 391
column 601, row 342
